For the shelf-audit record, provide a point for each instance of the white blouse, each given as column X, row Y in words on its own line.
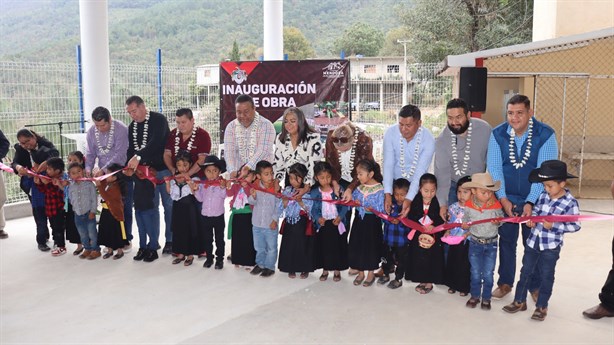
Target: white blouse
column 308, row 153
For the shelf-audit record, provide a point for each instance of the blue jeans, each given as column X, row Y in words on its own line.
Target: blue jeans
column 40, row 218
column 265, row 243
column 146, row 222
column 482, row 258
column 87, row 231
column 128, row 205
column 508, row 241
column 167, row 203
column 545, row 262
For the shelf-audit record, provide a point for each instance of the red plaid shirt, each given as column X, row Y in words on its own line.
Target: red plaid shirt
column 54, row 198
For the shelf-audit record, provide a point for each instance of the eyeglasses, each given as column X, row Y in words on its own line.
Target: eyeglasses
column 336, row 140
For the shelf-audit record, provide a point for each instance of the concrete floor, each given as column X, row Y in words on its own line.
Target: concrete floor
column 64, row 300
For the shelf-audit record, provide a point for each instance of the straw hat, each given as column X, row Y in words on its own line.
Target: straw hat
column 484, row 181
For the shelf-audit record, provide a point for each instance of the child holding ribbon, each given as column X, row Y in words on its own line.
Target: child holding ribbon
column 395, row 235
column 482, row 237
column 82, row 196
column 240, row 222
column 426, row 263
column 331, row 238
column 546, row 239
column 72, row 233
column 297, row 232
column 111, row 230
column 364, row 249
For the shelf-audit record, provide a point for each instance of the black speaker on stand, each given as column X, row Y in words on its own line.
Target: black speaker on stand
column 472, row 87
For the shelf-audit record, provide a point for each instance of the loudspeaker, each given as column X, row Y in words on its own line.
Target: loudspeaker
column 473, row 87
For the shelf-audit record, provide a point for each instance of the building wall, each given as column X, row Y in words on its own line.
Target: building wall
column 557, row 18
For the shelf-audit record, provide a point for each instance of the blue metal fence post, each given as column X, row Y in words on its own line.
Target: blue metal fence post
column 160, row 105
column 80, row 89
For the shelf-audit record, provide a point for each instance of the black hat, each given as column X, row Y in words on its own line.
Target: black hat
column 550, row 170
column 213, row 160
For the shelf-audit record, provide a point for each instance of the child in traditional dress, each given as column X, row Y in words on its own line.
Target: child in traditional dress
column 240, row 222
column 82, row 196
column 264, row 219
column 297, row 232
column 72, row 232
column 482, row 237
column 364, row 249
column 111, row 229
column 53, row 190
column 395, row 235
column 331, row 249
column 457, row 273
column 546, row 239
column 212, row 197
column 426, row 254
column 185, row 221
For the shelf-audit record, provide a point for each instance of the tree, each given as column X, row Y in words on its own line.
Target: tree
column 391, row 45
column 296, row 45
column 443, row 27
column 249, row 52
column 234, row 53
column 360, row 38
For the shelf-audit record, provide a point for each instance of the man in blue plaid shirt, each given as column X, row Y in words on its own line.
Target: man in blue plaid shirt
column 543, row 246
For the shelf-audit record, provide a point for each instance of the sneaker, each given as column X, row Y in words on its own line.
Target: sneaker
column 394, row 284
column 95, row 254
column 539, row 314
column 58, row 251
column 152, row 255
column 168, row 248
column 85, row 254
column 267, row 273
column 3, row 234
column 256, row 270
column 515, row 307
column 472, row 302
column 501, row 291
column 208, row 263
column 43, row 247
column 485, row 304
column 219, row 265
column 383, row 279
column 140, row 255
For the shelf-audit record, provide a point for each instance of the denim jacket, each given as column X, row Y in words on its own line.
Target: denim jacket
column 316, row 209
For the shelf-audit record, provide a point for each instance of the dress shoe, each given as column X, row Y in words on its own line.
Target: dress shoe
column 3, row 234
column 472, row 302
column 86, row 253
column 515, row 307
column 501, row 291
column 597, row 312
column 219, row 265
column 152, row 255
column 267, row 273
column 208, row 263
column 168, row 248
column 539, row 314
column 383, row 279
column 95, row 254
column 140, row 255
column 256, row 270
column 485, row 304
column 43, row 247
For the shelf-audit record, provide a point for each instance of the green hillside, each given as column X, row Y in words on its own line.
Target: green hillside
column 189, row 32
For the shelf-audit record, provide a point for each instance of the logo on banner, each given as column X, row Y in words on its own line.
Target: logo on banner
column 238, row 76
column 333, row 70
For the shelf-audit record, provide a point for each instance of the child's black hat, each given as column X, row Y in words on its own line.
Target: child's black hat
column 550, row 170
column 213, row 160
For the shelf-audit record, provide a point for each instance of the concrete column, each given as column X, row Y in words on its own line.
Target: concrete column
column 93, row 15
column 273, row 30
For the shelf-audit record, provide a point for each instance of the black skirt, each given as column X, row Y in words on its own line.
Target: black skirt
column 457, row 272
column 365, row 247
column 110, row 231
column 426, row 265
column 242, row 243
column 296, row 250
column 331, row 248
column 188, row 237
column 72, row 233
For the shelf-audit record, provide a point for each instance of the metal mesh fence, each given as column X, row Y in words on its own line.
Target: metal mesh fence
column 39, row 93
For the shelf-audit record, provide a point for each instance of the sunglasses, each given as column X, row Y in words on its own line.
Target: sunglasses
column 336, row 140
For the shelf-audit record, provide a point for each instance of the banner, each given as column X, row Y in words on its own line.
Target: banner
column 320, row 88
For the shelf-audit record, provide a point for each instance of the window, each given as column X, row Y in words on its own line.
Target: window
column 392, row 69
column 206, row 73
column 370, row 69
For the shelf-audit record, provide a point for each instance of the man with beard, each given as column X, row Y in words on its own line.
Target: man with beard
column 460, row 151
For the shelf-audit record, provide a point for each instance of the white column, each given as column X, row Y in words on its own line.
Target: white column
column 273, row 30
column 93, row 16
